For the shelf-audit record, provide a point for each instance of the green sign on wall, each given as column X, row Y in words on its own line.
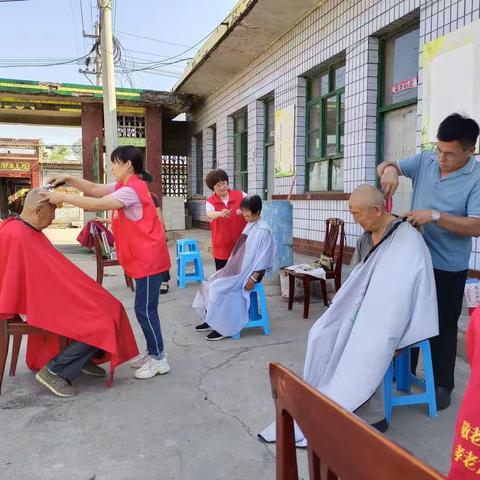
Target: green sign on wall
column 136, row 142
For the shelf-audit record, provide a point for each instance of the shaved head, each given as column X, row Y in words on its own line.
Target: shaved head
column 367, row 196
column 367, row 207
column 35, row 212
column 32, row 199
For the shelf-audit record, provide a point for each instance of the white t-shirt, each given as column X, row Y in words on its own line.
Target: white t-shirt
column 210, row 208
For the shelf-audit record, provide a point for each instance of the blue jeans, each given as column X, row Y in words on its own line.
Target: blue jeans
column 147, row 295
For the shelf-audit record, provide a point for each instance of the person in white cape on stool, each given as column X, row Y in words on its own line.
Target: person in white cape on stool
column 223, row 299
column 387, row 303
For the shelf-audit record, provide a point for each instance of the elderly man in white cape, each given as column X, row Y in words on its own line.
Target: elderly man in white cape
column 387, row 303
column 223, row 300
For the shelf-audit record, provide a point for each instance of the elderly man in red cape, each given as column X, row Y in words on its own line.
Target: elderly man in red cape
column 466, row 446
column 36, row 280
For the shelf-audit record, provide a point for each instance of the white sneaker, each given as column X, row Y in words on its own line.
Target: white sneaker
column 152, row 367
column 139, row 360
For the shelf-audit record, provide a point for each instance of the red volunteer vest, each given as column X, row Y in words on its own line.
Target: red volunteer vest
column 465, row 463
column 226, row 231
column 141, row 245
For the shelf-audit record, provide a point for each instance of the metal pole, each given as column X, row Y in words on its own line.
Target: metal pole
column 108, row 80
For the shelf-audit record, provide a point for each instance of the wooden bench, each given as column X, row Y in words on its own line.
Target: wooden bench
column 340, row 445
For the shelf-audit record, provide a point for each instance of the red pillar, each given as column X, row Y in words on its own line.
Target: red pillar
column 153, row 126
column 92, row 127
column 35, row 174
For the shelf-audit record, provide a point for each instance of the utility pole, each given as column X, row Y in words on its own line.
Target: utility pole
column 108, row 81
column 98, row 58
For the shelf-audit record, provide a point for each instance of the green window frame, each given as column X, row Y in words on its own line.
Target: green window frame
column 240, row 150
column 214, row 146
column 268, row 140
column 325, row 129
column 199, row 163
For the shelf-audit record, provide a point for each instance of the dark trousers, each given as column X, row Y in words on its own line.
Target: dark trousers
column 219, row 264
column 147, row 295
column 69, row 363
column 450, row 287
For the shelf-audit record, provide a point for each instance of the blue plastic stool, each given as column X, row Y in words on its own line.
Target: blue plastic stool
column 400, row 368
column 188, row 252
column 187, row 244
column 257, row 317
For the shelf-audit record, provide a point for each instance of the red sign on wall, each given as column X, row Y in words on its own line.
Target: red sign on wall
column 404, row 85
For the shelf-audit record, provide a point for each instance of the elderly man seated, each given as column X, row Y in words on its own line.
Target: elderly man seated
column 387, row 303
column 37, row 281
column 223, row 300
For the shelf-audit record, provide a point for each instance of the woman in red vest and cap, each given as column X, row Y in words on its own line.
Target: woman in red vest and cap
column 226, row 220
column 140, row 240
column 223, row 211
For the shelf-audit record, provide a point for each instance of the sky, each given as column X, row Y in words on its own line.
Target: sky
column 38, row 32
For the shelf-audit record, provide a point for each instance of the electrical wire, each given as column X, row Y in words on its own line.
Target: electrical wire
column 115, row 9
column 81, row 15
column 154, row 65
column 74, row 28
column 52, row 64
column 151, row 39
column 91, row 13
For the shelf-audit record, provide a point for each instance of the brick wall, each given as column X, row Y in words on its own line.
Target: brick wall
column 153, row 124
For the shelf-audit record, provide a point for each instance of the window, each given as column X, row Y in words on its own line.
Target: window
column 131, row 126
column 214, row 147
column 240, row 154
column 400, row 57
column 199, row 162
column 269, row 148
column 325, row 129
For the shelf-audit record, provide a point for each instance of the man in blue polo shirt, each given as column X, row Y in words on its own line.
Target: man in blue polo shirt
column 446, row 201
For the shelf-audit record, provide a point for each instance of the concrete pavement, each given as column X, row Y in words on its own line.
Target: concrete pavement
column 199, row 422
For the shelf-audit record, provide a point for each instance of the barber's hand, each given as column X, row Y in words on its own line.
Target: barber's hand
column 53, row 198
column 225, row 212
column 389, row 181
column 58, row 181
column 418, row 217
column 250, row 284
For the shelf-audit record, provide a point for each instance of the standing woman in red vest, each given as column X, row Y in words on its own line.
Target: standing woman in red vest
column 223, row 212
column 140, row 242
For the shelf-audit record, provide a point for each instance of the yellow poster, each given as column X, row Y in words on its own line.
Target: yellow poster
column 285, row 142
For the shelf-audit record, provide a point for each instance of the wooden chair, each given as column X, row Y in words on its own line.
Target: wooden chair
column 333, row 246
column 340, row 445
column 14, row 326
column 102, row 262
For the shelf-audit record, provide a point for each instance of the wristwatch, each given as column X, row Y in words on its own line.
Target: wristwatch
column 435, row 216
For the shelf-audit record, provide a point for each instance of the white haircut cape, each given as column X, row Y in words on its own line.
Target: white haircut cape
column 387, row 303
column 222, row 300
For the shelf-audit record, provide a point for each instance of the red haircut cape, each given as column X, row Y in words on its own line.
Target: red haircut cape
column 55, row 295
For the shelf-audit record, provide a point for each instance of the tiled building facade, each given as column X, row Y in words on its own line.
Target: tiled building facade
column 341, row 55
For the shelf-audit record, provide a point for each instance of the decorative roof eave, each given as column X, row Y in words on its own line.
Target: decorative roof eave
column 177, row 102
column 250, row 29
